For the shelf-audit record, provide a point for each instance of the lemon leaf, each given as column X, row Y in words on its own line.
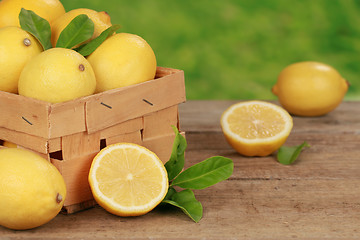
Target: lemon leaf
column 177, row 159
column 288, row 155
column 36, row 26
column 186, row 201
column 205, row 173
column 80, row 29
column 88, row 48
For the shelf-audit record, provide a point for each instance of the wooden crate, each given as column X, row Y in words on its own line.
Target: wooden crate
column 70, row 134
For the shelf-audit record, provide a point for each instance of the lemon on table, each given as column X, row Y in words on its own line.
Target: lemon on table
column 127, row 179
column 32, row 190
column 10, row 9
column 17, row 47
column 57, row 75
column 256, row 128
column 123, row 59
column 101, row 22
column 310, row 88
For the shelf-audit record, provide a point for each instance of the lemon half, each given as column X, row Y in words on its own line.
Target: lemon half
column 256, row 128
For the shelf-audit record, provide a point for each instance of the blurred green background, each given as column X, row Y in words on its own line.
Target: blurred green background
column 235, row 49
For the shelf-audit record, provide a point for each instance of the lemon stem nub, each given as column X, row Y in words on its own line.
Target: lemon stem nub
column 81, row 67
column 59, row 198
column 27, row 42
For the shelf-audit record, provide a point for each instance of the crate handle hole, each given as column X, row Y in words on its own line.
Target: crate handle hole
column 102, row 143
column 57, row 155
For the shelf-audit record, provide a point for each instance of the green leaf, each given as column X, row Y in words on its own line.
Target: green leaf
column 170, row 193
column 80, row 29
column 205, row 173
column 186, row 201
column 177, row 159
column 88, row 48
column 37, row 26
column 287, row 155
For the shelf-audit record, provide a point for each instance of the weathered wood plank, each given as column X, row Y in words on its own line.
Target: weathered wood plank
column 257, row 209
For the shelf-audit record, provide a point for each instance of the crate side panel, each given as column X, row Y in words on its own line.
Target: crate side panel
column 159, row 123
column 80, row 144
column 24, row 114
column 67, row 118
column 119, row 105
column 75, row 173
column 161, row 146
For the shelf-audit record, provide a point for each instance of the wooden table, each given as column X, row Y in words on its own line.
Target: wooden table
column 318, row 197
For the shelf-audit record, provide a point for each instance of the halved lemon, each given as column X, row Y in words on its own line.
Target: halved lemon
column 256, row 128
column 127, row 179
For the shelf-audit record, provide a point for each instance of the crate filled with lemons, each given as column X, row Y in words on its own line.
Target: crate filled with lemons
column 73, row 89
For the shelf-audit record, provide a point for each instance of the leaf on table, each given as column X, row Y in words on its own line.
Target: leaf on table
column 80, row 29
column 87, row 48
column 288, row 155
column 36, row 26
column 186, row 201
column 205, row 173
column 177, row 159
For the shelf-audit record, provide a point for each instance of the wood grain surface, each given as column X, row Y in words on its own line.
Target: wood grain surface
column 318, row 197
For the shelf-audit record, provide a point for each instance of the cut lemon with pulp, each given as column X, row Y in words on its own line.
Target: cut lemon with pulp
column 256, row 128
column 127, row 179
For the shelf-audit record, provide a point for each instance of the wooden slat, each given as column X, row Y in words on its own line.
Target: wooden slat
column 133, row 137
column 115, row 106
column 24, row 114
column 161, row 146
column 54, row 144
column 75, row 173
column 129, row 126
column 77, row 207
column 37, row 144
column 79, row 144
column 162, row 71
column 67, row 118
column 159, row 123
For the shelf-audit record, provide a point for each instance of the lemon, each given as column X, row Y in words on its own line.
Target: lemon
column 17, row 47
column 310, row 88
column 101, row 22
column 10, row 9
column 256, row 128
column 57, row 75
column 127, row 179
column 123, row 59
column 32, row 190
column 9, row 144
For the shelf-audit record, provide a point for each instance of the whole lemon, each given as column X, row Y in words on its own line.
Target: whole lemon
column 32, row 189
column 10, row 9
column 310, row 88
column 121, row 60
column 17, row 47
column 101, row 22
column 57, row 75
